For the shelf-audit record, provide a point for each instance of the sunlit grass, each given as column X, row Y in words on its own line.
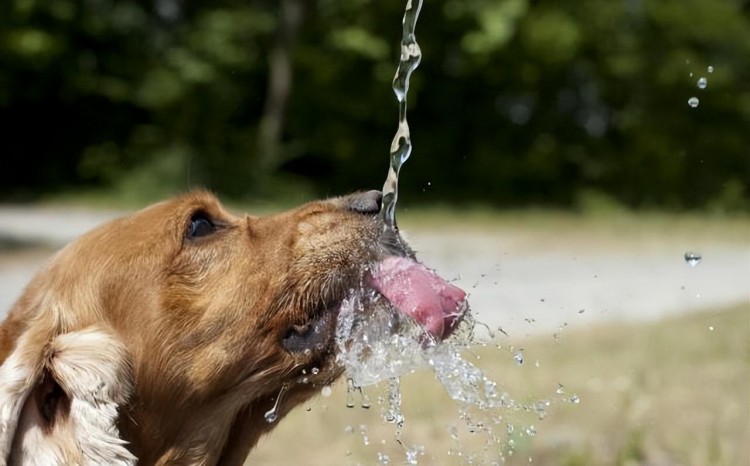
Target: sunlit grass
column 612, row 229
column 673, row 392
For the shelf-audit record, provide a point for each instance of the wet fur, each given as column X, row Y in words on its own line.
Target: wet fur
column 138, row 341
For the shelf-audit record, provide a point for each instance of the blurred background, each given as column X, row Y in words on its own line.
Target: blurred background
column 580, row 167
column 516, row 102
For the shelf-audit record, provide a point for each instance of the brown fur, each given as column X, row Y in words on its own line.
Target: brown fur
column 201, row 320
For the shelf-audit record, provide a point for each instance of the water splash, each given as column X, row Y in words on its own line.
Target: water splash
column 401, row 146
column 376, row 344
column 373, row 343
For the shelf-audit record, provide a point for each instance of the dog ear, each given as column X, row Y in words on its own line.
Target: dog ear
column 60, row 398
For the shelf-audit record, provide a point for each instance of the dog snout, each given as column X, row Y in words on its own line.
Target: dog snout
column 368, row 202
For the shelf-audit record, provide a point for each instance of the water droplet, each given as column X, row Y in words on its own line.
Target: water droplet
column 693, row 258
column 272, row 414
column 574, row 399
column 711, row 328
column 315, row 371
column 349, row 429
column 349, row 393
column 413, row 453
column 392, row 412
column 540, row 407
column 560, row 390
column 710, row 69
column 518, row 357
column 383, row 458
column 363, row 433
column 531, row 431
column 693, row 102
column 702, row 83
column 326, row 391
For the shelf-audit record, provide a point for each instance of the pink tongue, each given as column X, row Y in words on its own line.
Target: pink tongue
column 420, row 293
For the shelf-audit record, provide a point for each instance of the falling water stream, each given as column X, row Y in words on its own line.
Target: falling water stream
column 377, row 347
column 410, row 57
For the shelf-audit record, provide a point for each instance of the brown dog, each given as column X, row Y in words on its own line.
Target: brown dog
column 163, row 337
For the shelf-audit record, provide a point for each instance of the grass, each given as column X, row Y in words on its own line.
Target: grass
column 675, row 392
column 617, row 229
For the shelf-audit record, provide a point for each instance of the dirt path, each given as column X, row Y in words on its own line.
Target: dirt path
column 533, row 289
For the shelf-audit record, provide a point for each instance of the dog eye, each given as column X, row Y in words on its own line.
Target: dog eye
column 200, row 225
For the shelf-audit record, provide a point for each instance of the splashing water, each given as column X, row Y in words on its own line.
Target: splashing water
column 377, row 344
column 401, row 147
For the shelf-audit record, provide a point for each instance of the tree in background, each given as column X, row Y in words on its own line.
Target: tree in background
column 516, row 102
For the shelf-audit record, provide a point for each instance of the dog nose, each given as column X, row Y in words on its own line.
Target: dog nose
column 366, row 202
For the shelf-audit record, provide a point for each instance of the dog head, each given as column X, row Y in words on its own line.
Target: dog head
column 190, row 323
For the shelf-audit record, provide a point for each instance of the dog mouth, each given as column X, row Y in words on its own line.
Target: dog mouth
column 413, row 291
column 314, row 335
column 421, row 294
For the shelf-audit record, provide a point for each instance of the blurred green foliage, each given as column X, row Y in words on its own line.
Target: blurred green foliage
column 516, row 102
